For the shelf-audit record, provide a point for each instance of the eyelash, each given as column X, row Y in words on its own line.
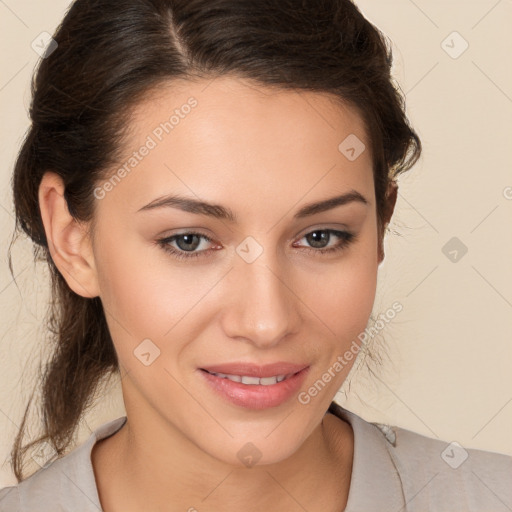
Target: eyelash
column 346, row 239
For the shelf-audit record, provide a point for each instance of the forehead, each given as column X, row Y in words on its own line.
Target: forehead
column 225, row 136
column 226, row 103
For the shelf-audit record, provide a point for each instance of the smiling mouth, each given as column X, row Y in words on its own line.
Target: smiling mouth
column 254, row 386
column 253, row 381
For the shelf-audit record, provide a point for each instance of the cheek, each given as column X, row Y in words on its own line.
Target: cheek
column 135, row 295
column 342, row 293
column 147, row 295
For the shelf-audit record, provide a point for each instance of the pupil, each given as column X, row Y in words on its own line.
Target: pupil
column 316, row 240
column 188, row 240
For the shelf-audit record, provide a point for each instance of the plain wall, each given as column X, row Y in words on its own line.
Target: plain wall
column 450, row 350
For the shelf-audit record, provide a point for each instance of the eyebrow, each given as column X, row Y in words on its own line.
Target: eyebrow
column 218, row 211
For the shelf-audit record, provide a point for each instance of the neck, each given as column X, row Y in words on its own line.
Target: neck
column 136, row 471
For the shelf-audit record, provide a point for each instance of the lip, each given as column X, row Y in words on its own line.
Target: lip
column 253, row 370
column 256, row 396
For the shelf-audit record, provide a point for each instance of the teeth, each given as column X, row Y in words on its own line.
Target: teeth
column 252, row 381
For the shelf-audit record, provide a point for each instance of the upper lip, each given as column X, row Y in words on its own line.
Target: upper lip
column 254, row 370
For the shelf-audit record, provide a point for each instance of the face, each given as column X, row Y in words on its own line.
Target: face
column 262, row 278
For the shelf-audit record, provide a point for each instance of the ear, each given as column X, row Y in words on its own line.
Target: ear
column 68, row 240
column 391, row 195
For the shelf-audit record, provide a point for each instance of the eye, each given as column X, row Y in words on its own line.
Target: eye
column 187, row 244
column 190, row 244
column 320, row 238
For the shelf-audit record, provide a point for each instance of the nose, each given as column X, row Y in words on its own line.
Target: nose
column 262, row 308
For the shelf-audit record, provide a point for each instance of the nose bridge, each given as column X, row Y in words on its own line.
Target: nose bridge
column 261, row 308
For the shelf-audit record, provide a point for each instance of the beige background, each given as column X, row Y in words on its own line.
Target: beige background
column 449, row 373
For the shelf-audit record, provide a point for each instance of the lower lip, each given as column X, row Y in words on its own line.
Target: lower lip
column 256, row 396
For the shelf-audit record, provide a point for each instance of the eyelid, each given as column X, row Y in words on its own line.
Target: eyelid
column 323, row 227
column 306, row 231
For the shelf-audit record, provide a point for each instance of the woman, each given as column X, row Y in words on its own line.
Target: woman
column 210, row 183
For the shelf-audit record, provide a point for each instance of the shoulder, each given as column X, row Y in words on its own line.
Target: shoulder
column 397, row 469
column 66, row 483
column 443, row 475
column 10, row 499
column 51, row 487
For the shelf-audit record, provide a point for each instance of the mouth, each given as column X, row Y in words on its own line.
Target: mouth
column 255, row 387
column 252, row 381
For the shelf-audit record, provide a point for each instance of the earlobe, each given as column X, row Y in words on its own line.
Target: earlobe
column 68, row 240
column 391, row 196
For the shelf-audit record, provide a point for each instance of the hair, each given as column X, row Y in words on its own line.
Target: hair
column 113, row 53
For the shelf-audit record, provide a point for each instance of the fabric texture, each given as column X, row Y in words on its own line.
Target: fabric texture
column 394, row 470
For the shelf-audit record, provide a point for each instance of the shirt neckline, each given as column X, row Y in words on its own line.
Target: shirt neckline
column 373, row 472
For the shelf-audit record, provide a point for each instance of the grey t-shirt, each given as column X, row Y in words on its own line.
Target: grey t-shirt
column 394, row 470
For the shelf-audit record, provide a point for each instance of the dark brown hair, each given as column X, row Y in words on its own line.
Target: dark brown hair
column 110, row 54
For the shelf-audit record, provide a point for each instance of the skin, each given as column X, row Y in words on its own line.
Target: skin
column 264, row 154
